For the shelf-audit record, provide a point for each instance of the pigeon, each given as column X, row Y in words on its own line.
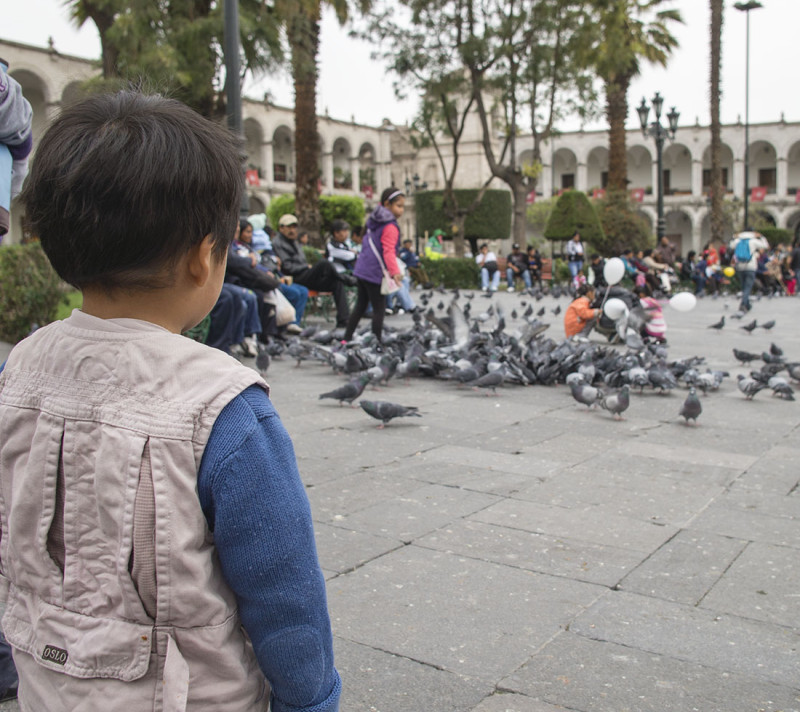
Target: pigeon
column 385, row 411
column 263, row 360
column 745, row 356
column 586, row 394
column 617, row 403
column 768, row 324
column 490, row 381
column 749, row 327
column 349, row 391
column 691, row 408
column 718, row 326
column 794, row 370
column 557, row 310
column 750, row 386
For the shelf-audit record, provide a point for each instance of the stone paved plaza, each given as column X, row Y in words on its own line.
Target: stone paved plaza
column 525, row 554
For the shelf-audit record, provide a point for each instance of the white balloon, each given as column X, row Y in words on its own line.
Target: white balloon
column 614, row 270
column 683, row 301
column 615, row 308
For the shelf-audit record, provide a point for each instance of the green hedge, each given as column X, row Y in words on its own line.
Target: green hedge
column 491, row 220
column 331, row 207
column 454, row 272
column 572, row 212
column 777, row 235
column 31, row 291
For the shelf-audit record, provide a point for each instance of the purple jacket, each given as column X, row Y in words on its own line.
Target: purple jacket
column 367, row 266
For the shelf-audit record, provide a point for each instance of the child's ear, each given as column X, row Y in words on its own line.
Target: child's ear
column 199, row 262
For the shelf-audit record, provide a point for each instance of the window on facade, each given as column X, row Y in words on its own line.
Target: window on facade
column 567, row 181
column 767, row 178
column 279, row 172
column 707, row 179
column 604, row 179
column 665, row 177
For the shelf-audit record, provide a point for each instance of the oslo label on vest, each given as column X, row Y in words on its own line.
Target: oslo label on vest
column 54, row 654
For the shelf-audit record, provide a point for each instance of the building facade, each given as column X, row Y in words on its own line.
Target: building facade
column 362, row 160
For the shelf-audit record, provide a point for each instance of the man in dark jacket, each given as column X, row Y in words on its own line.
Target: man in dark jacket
column 322, row 277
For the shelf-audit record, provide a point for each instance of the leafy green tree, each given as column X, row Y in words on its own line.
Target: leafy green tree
column 616, row 36
column 301, row 20
column 175, row 46
column 623, row 227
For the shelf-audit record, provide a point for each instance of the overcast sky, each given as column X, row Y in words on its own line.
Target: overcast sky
column 352, row 84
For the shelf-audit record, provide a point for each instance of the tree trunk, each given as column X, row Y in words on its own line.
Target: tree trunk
column 103, row 20
column 717, row 188
column 617, row 113
column 303, row 31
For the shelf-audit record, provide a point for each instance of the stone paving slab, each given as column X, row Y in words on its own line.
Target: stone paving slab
column 583, row 523
column 763, row 583
column 685, row 568
column 584, row 675
column 382, row 682
column 753, row 526
column 703, row 636
column 571, row 558
column 468, row 617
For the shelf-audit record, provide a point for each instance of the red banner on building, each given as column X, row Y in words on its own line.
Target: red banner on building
column 599, row 193
column 531, row 198
column 637, row 195
column 367, row 190
column 251, row 176
column 757, row 194
column 797, row 196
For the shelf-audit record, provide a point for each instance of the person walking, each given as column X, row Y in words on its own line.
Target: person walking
column 378, row 254
column 746, row 247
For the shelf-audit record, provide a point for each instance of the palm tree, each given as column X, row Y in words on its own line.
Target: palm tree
column 617, row 38
column 717, row 189
column 302, row 21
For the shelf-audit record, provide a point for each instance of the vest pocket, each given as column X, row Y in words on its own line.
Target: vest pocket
column 76, row 644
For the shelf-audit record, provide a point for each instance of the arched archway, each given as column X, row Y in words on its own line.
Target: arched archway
column 367, row 174
column 726, row 160
column 678, row 228
column 253, row 141
column 763, row 162
column 793, row 169
column 565, row 168
column 640, row 168
column 342, row 176
column 597, row 168
column 283, row 155
column 677, row 166
column 35, row 90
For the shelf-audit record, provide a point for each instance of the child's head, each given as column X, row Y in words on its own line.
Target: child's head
column 123, row 185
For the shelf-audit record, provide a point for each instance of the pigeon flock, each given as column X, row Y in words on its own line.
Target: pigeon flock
column 452, row 344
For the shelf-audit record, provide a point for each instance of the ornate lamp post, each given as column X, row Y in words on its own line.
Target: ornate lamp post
column 746, row 7
column 659, row 133
column 233, row 91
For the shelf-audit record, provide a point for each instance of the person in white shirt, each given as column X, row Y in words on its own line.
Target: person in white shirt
column 490, row 274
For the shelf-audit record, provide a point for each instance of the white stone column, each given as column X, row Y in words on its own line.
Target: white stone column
column 654, row 179
column 267, row 158
column 545, row 183
column 327, row 171
column 355, row 164
column 781, row 177
column 581, row 178
column 697, row 178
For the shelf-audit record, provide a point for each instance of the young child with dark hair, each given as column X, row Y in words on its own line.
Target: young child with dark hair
column 157, row 548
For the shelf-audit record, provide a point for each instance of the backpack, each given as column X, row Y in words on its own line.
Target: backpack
column 742, row 252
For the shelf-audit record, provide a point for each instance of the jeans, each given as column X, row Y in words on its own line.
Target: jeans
column 297, row 295
column 252, row 322
column 8, row 672
column 526, row 277
column 227, row 319
column 748, row 278
column 574, row 268
column 488, row 282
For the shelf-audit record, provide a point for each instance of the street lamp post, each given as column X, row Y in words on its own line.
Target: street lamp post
column 233, row 91
column 660, row 134
column 746, row 7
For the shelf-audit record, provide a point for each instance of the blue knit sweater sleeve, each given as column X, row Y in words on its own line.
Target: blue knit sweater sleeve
column 255, row 504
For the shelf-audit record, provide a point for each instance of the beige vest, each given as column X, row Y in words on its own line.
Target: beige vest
column 115, row 595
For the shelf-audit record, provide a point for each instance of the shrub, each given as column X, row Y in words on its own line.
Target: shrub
column 31, row 291
column 623, row 227
column 777, row 235
column 331, row 207
column 453, row 272
column 572, row 212
column 490, row 221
